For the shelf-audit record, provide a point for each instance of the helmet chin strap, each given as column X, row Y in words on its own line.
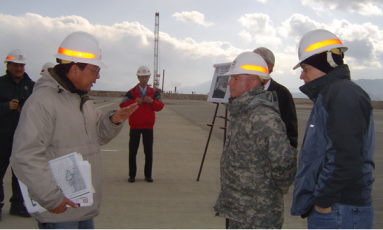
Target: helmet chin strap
column 330, row 60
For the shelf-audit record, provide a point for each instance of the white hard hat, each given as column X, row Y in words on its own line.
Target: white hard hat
column 46, row 66
column 249, row 63
column 81, row 47
column 143, row 71
column 16, row 56
column 318, row 41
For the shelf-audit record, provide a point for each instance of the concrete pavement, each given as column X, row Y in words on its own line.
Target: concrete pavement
column 175, row 199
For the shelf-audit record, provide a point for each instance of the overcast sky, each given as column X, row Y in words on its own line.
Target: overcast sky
column 194, row 35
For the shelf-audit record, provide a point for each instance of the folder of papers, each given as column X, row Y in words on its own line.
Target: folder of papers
column 73, row 175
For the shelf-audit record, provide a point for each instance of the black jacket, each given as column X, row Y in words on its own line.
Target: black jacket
column 287, row 110
column 10, row 90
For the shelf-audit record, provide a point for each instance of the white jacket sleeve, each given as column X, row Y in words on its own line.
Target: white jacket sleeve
column 106, row 129
column 29, row 161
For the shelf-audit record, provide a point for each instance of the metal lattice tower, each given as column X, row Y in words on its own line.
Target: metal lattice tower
column 156, row 78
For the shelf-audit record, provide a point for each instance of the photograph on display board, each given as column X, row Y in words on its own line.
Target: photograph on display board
column 219, row 90
column 220, row 87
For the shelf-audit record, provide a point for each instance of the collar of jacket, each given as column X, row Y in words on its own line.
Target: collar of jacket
column 252, row 98
column 148, row 88
column 67, row 84
column 313, row 88
column 25, row 77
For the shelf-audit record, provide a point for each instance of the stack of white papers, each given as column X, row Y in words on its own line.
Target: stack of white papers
column 73, row 175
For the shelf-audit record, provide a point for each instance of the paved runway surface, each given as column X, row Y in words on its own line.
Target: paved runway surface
column 175, row 199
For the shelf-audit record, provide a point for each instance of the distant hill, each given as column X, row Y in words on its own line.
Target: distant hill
column 299, row 95
column 202, row 88
column 374, row 87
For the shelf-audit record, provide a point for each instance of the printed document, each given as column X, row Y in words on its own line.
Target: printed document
column 73, row 175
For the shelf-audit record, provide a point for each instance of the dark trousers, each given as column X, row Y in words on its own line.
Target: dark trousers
column 5, row 153
column 84, row 224
column 134, row 142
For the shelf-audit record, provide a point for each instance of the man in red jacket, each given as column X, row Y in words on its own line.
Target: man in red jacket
column 142, row 121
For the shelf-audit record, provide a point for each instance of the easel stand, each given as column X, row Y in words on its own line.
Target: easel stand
column 211, row 130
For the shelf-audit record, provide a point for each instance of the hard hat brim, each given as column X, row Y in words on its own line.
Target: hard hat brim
column 103, row 64
column 19, row 62
column 261, row 75
column 297, row 65
column 138, row 75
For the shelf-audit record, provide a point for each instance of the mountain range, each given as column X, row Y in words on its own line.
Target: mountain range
column 374, row 87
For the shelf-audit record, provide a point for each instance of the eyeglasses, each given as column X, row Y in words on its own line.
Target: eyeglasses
column 97, row 71
column 305, row 69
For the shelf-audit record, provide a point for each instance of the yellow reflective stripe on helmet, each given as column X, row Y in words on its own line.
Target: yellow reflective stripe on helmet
column 255, row 68
column 74, row 53
column 10, row 57
column 323, row 44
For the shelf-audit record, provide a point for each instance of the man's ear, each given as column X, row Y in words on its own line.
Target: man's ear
column 254, row 82
column 270, row 67
column 73, row 70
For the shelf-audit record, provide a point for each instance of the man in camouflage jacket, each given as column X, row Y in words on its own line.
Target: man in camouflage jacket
column 258, row 163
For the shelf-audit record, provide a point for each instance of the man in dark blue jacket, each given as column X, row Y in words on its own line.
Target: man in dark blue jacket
column 15, row 88
column 334, row 179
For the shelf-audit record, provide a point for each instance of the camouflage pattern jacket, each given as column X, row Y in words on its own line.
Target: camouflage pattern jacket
column 258, row 163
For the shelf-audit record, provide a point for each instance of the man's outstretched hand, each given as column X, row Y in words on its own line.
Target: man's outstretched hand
column 121, row 115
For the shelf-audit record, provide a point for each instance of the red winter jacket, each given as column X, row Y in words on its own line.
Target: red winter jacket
column 143, row 117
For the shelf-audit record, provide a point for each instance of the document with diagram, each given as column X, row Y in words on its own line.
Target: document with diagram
column 73, row 175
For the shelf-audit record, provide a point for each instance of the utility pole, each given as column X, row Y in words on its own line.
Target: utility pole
column 163, row 79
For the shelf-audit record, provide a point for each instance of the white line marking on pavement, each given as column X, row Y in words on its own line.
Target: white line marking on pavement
column 107, row 105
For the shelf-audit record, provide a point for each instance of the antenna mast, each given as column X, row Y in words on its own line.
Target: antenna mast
column 156, row 78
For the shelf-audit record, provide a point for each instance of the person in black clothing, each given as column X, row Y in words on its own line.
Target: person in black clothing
column 15, row 88
column 285, row 99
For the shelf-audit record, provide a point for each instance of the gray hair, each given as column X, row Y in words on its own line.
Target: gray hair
column 267, row 55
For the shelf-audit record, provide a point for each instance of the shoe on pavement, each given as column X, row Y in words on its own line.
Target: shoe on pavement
column 149, row 179
column 1, row 208
column 131, row 179
column 19, row 210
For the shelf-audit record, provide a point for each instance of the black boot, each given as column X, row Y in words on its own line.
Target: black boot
column 1, row 208
column 18, row 209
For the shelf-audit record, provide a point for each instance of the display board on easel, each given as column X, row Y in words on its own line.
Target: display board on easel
column 219, row 94
column 219, row 90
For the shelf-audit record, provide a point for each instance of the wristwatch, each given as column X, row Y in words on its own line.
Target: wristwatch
column 151, row 101
column 110, row 116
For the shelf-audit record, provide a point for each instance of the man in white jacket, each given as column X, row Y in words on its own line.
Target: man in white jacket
column 59, row 119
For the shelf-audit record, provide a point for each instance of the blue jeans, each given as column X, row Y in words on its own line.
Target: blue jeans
column 342, row 216
column 85, row 224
